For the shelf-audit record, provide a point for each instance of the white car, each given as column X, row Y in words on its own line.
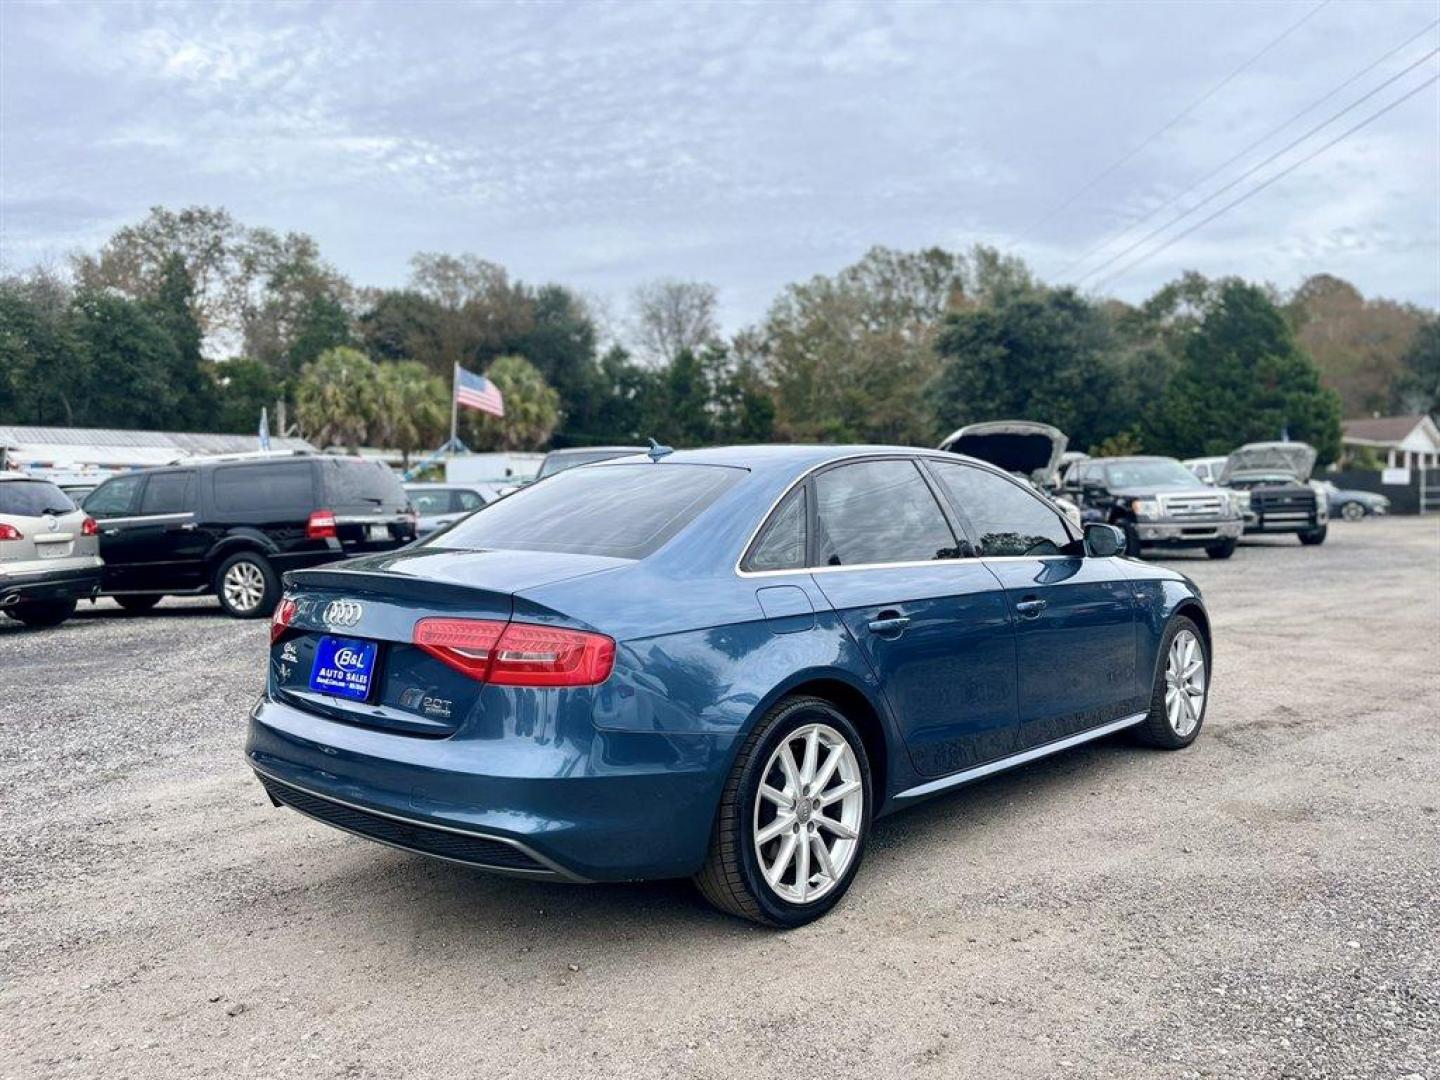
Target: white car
column 49, row 551
column 1206, row 468
column 440, row 505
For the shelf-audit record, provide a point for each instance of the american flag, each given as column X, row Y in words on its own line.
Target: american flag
column 477, row 392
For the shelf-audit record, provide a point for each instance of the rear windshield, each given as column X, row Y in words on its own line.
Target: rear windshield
column 626, row 511
column 31, row 498
column 362, row 485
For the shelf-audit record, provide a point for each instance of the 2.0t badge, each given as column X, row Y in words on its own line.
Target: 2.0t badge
column 342, row 613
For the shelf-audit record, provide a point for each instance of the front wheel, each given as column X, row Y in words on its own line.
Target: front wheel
column 42, row 613
column 247, row 586
column 1182, row 688
column 794, row 815
column 1222, row 550
column 1132, row 539
column 1352, row 511
column 1311, row 537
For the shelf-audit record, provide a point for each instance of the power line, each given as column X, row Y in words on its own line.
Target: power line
column 1181, row 115
column 1083, row 256
column 1113, row 259
column 1261, row 187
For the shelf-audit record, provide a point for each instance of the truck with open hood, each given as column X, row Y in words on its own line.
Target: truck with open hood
column 1271, row 480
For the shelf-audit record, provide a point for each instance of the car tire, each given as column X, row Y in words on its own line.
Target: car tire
column 247, row 586
column 137, row 604
column 1352, row 511
column 1311, row 537
column 745, row 870
column 1168, row 725
column 1132, row 539
column 1223, row 550
column 40, row 614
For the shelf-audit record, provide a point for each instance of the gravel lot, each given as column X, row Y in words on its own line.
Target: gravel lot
column 1264, row 904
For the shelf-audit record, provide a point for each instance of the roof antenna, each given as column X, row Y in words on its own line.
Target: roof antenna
column 658, row 451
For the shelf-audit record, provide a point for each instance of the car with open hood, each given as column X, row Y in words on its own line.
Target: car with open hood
column 1156, row 502
column 1272, row 482
column 731, row 680
column 1023, row 448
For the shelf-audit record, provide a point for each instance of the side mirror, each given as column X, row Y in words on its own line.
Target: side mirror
column 1102, row 540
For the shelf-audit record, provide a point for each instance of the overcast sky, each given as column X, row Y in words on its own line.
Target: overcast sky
column 750, row 146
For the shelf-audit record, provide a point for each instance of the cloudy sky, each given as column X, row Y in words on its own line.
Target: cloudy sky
column 603, row 145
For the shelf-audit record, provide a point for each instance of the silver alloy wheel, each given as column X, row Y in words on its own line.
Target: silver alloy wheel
column 1352, row 511
column 244, row 586
column 808, row 814
column 1185, row 683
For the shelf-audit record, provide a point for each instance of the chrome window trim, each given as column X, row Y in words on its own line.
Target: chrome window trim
column 904, row 455
column 134, row 519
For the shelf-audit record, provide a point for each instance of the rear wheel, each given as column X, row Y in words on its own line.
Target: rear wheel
column 42, row 613
column 1311, row 537
column 1223, row 550
column 793, row 818
column 1182, row 688
column 247, row 586
column 1352, row 511
column 136, row 604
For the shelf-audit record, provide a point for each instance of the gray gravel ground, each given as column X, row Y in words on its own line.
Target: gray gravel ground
column 1264, row 904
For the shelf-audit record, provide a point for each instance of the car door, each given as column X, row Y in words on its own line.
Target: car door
column 113, row 505
column 169, row 548
column 935, row 627
column 1074, row 616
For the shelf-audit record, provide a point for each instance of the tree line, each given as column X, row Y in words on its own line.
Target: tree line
column 189, row 320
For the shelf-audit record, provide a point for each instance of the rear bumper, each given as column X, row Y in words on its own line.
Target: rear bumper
column 60, row 584
column 1170, row 533
column 626, row 806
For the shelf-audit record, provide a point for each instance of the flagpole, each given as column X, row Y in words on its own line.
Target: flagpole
column 454, row 405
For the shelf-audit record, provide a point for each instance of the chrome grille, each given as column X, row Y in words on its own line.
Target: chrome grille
column 1201, row 506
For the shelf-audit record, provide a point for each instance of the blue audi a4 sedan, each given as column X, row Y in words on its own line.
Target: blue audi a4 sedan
column 723, row 664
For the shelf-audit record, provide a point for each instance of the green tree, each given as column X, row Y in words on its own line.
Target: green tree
column 1418, row 387
column 402, row 324
column 190, row 402
column 127, row 361
column 560, row 341
column 1243, row 378
column 42, row 369
column 1040, row 355
column 688, row 396
column 244, row 387
column 532, row 408
column 337, row 398
column 413, row 410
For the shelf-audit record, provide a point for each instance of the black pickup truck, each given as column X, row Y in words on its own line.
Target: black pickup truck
column 1271, row 482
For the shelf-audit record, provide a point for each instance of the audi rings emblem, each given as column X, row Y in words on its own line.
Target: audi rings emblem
column 342, row 613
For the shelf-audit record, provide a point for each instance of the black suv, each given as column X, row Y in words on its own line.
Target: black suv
column 1157, row 502
column 232, row 526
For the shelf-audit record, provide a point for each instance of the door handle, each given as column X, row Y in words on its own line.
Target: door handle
column 189, row 526
column 110, row 532
column 1030, row 607
column 889, row 623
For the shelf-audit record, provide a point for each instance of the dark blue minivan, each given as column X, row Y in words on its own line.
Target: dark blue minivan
column 722, row 664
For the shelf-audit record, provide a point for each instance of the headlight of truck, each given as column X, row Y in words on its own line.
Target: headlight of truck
column 1240, row 500
column 1145, row 509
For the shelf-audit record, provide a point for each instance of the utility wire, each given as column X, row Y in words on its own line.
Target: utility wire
column 1113, row 259
column 1181, row 115
column 1085, row 255
column 1261, row 187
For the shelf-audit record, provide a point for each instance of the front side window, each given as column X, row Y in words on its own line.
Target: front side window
column 468, row 500
column 430, row 503
column 114, row 498
column 625, row 511
column 168, row 493
column 782, row 545
column 1008, row 519
column 878, row 512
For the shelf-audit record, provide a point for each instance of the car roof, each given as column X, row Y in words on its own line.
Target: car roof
column 23, row 476
column 1131, row 457
column 784, row 457
column 596, row 450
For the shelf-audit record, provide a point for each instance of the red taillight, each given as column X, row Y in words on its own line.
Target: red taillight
column 518, row 654
column 321, row 525
column 89, row 528
column 282, row 618
column 10, row 532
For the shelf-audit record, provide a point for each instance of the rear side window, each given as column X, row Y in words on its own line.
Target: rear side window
column 361, row 485
column 1008, row 519
column 878, row 512
column 429, row 503
column 114, row 498
column 782, row 545
column 31, row 498
column 626, row 511
column 468, row 500
column 168, row 493
column 264, row 488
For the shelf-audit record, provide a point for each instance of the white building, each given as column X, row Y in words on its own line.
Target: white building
column 1405, row 442
column 80, row 455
